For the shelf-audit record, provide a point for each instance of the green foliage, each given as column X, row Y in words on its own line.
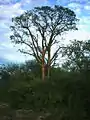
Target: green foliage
column 66, row 97
column 78, row 56
column 16, row 75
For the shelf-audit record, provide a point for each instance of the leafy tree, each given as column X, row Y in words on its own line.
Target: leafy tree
column 38, row 31
column 78, row 56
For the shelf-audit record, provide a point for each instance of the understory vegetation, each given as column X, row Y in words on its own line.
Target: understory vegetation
column 65, row 96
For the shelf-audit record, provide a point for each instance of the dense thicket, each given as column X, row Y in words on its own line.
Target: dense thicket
column 64, row 96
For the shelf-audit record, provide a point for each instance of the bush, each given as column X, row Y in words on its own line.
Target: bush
column 65, row 95
column 65, row 98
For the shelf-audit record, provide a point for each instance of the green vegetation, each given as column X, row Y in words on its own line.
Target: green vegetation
column 65, row 93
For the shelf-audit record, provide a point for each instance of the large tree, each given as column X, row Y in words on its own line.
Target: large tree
column 39, row 30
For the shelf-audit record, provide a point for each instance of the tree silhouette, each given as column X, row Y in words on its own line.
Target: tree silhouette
column 38, row 30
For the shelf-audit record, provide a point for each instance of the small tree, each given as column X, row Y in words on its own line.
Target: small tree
column 38, row 30
column 78, row 56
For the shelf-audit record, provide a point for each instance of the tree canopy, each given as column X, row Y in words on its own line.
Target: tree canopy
column 78, row 56
column 38, row 30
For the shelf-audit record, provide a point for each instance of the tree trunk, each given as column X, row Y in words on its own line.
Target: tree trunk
column 43, row 72
column 43, row 66
column 49, row 57
column 48, row 72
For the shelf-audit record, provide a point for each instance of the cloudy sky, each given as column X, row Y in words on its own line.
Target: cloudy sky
column 12, row 8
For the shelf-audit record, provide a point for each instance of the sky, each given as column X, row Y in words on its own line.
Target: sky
column 12, row 8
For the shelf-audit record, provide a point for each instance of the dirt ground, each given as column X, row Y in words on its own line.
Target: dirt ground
column 7, row 114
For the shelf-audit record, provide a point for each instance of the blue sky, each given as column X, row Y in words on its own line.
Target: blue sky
column 12, row 8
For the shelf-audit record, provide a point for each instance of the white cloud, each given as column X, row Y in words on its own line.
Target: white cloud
column 6, row 13
column 78, row 11
column 29, row 4
column 74, row 5
column 79, row 1
column 79, row 35
column 61, row 1
column 7, row 2
column 84, row 23
column 87, row 7
column 9, row 11
column 17, row 57
column 8, row 52
column 85, row 20
column 27, row 1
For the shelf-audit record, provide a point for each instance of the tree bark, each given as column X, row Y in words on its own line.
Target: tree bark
column 43, row 72
column 43, row 66
column 48, row 72
column 49, row 58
